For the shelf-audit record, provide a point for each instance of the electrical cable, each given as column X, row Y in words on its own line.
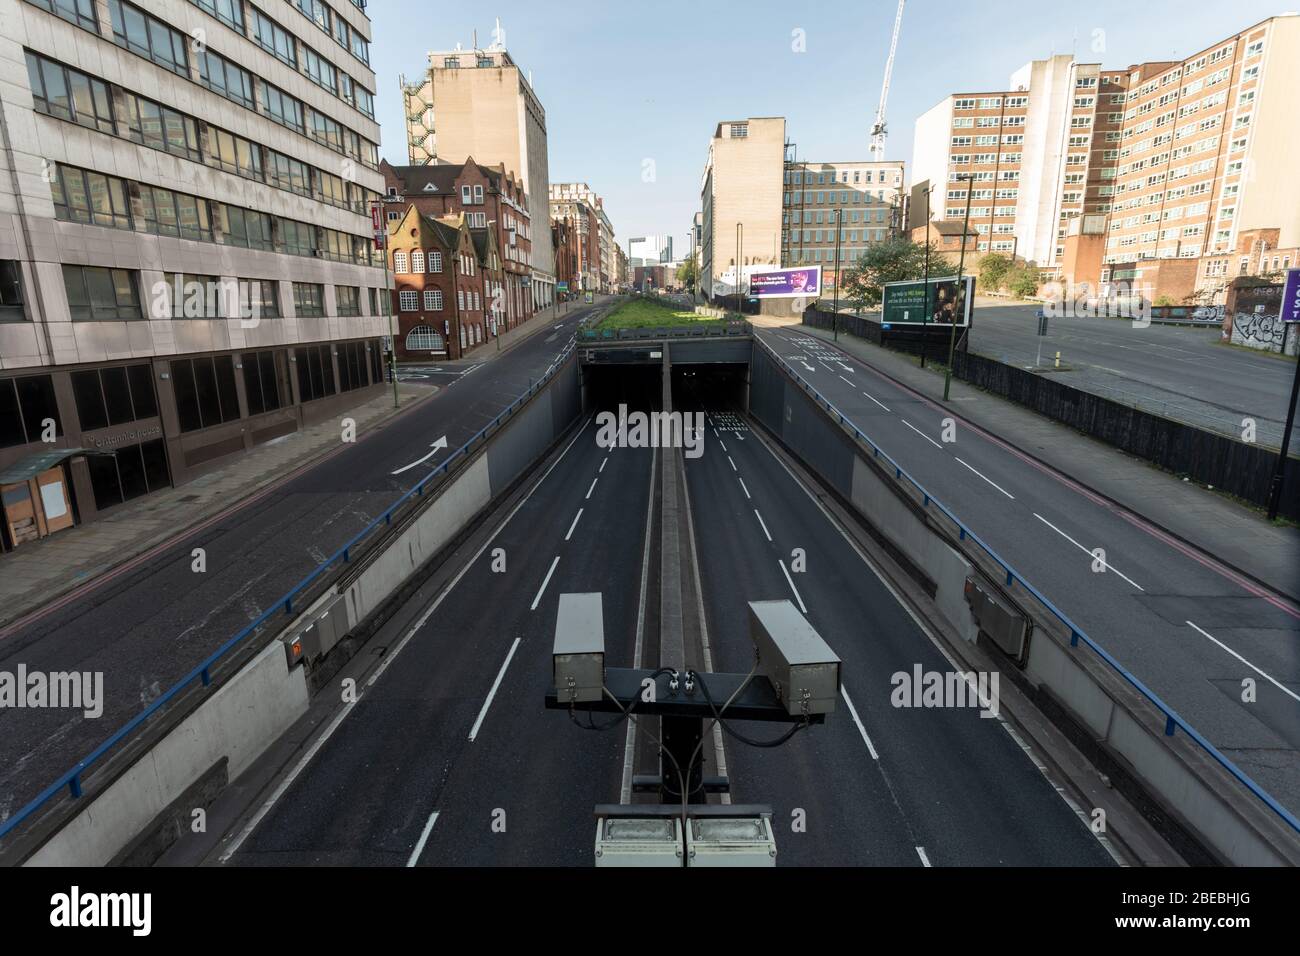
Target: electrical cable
column 739, row 736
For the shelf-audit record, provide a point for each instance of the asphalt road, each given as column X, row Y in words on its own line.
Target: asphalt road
column 1179, row 372
column 145, row 628
column 876, row 784
column 456, row 725
column 1188, row 627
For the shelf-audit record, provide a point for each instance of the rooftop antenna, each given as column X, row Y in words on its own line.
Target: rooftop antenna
column 878, row 129
column 498, row 36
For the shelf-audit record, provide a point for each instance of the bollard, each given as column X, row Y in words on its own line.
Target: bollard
column 1058, row 359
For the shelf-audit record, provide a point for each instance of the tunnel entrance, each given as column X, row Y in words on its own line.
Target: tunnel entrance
column 639, row 387
column 711, row 388
column 695, row 387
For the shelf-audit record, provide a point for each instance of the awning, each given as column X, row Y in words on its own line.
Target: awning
column 24, row 469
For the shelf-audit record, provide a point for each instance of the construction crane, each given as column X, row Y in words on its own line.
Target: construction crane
column 878, row 130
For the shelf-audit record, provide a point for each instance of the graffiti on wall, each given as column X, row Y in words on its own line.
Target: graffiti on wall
column 1264, row 331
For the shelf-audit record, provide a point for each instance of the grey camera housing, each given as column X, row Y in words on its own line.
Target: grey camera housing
column 578, row 655
column 791, row 654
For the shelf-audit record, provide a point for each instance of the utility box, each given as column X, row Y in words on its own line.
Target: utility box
column 791, row 654
column 730, row 841
column 1005, row 626
column 639, row 841
column 578, row 656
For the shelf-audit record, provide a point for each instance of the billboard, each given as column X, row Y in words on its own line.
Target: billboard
column 904, row 303
column 786, row 283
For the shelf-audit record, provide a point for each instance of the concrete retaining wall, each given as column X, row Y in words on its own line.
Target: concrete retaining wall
column 239, row 721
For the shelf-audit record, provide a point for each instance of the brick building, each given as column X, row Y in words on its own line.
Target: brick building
column 440, row 291
column 484, row 195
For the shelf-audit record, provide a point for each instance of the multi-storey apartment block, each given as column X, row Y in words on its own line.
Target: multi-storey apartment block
column 479, row 103
column 184, row 240
column 863, row 198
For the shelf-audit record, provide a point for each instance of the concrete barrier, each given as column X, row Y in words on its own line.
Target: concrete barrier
column 237, row 722
column 1102, row 713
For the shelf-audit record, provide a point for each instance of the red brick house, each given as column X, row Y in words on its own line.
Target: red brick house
column 487, row 196
column 438, row 287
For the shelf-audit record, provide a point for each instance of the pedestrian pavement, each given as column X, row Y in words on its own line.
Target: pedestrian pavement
column 35, row 574
column 1217, row 525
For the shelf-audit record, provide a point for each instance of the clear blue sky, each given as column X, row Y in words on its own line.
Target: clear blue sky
column 622, row 85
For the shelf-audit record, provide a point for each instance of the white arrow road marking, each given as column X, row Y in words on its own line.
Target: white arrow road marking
column 437, row 446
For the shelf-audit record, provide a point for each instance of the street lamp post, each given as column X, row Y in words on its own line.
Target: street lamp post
column 960, row 305
column 835, row 306
column 379, row 218
column 925, row 318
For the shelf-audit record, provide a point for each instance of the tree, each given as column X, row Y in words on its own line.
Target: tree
column 687, row 273
column 1021, row 281
column 893, row 260
column 993, row 270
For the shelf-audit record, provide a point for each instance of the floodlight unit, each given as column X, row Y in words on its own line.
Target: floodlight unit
column 803, row 669
column 578, row 655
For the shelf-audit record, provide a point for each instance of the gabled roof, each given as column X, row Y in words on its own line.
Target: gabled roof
column 440, row 178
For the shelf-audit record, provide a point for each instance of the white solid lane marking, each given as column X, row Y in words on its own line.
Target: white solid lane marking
column 790, row 581
column 497, row 683
column 1263, row 674
column 733, row 464
column 1108, row 567
column 990, row 481
column 764, row 527
column 436, row 447
column 574, row 525
column 592, row 488
column 424, row 838
column 880, row 403
column 722, row 444
column 743, row 488
column 846, row 368
column 602, row 465
column 843, row 379
column 545, row 582
column 853, row 712
column 921, row 433
column 925, row 860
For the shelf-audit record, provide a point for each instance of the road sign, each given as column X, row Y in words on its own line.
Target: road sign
column 1291, row 296
column 561, row 287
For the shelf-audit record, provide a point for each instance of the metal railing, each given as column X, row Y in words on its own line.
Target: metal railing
column 1172, row 719
column 285, row 605
column 699, row 329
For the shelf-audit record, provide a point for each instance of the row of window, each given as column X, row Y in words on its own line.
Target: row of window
column 82, row 195
column 408, row 300
column 417, row 263
column 147, row 36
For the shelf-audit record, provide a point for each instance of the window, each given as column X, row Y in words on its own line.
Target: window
column 331, row 189
column 131, row 471
column 81, row 195
column 226, row 78
column 11, row 292
column 168, row 213
column 97, row 295
column 282, row 108
column 352, row 365
column 260, row 298
column 205, row 391
column 235, row 154
column 295, row 238
column 80, row 12
column 347, row 300
column 380, row 302
column 229, row 12
column 261, row 382
column 400, row 265
column 435, row 261
column 246, row 228
column 114, row 396
column 433, row 300
column 478, row 195
column 315, row 365
column 408, row 300
column 290, row 174
column 316, row 11
column 308, row 299
column 417, row 260
column 196, row 296
column 423, row 338
column 69, row 94
column 739, row 130
column 274, row 38
column 160, row 127
column 319, row 70
column 325, row 130
column 25, row 405
column 149, row 37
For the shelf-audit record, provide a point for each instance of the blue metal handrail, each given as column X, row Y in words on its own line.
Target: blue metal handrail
column 1077, row 634
column 203, row 671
